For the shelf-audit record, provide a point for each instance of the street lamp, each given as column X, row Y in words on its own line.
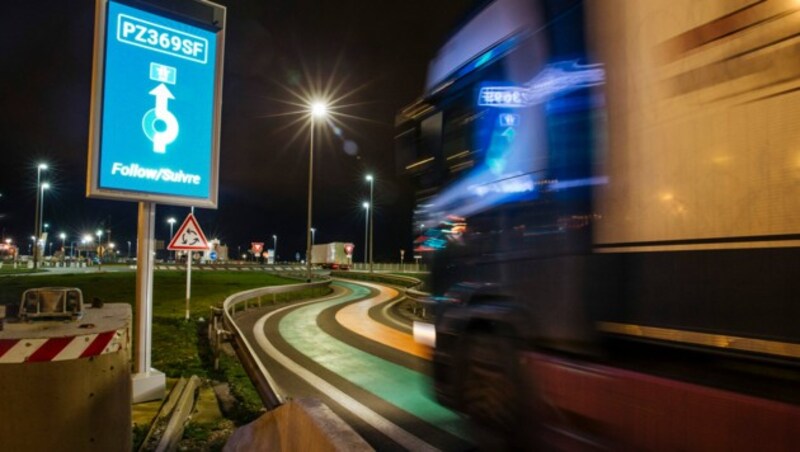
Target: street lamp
column 63, row 238
column 87, row 238
column 317, row 109
column 99, row 234
column 371, row 181
column 171, row 222
column 313, row 236
column 365, row 205
column 129, row 249
column 274, row 248
column 40, row 241
column 36, row 231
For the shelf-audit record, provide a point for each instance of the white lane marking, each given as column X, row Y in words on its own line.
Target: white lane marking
column 380, row 423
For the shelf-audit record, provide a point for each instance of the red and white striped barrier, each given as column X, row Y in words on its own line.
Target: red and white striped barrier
column 62, row 348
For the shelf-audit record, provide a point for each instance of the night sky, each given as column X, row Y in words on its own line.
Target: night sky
column 378, row 51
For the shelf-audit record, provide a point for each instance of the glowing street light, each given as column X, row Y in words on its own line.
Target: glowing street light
column 36, row 226
column 371, row 181
column 274, row 248
column 85, row 241
column 171, row 221
column 313, row 235
column 63, row 237
column 319, row 110
column 365, row 205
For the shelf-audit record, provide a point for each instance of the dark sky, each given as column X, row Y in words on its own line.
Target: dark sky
column 378, row 49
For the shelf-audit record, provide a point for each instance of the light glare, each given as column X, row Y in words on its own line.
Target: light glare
column 319, row 109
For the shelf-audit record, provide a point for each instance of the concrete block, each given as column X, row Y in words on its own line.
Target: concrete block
column 149, row 386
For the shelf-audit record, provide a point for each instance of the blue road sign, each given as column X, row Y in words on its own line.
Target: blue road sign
column 213, row 255
column 158, row 126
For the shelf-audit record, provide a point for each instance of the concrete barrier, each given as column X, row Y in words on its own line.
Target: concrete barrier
column 302, row 424
column 67, row 385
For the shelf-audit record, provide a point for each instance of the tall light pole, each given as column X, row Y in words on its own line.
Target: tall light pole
column 87, row 239
column 129, row 249
column 99, row 234
column 36, row 232
column 318, row 110
column 371, row 181
column 63, row 238
column 42, row 225
column 171, row 222
column 313, row 236
column 365, row 205
column 274, row 248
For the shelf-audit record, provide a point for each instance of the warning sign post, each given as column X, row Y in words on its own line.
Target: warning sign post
column 189, row 238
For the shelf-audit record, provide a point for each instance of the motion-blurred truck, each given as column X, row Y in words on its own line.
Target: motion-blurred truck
column 332, row 255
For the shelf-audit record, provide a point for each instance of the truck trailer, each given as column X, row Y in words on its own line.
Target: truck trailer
column 626, row 180
column 332, row 255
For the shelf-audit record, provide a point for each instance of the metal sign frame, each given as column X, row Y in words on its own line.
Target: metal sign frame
column 93, row 189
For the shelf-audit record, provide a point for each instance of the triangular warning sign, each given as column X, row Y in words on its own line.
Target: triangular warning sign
column 189, row 237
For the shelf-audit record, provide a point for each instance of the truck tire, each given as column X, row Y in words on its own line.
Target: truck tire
column 491, row 390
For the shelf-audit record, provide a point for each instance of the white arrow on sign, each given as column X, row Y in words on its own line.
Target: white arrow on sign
column 164, row 137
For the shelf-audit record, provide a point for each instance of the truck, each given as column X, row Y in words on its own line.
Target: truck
column 334, row 255
column 607, row 193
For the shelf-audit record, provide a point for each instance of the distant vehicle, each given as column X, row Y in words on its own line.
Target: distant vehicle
column 331, row 255
column 607, row 192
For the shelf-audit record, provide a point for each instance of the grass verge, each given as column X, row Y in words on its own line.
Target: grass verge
column 180, row 348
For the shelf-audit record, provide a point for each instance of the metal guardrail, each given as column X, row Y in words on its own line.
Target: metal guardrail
column 258, row 374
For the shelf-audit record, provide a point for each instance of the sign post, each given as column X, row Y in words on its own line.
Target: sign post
column 148, row 383
column 189, row 238
column 154, row 127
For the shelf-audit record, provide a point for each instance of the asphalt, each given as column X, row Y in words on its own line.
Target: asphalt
column 381, row 390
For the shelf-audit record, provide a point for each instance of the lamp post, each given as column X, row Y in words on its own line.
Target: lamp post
column 63, row 238
column 318, row 110
column 87, row 239
column 99, row 234
column 36, row 231
column 42, row 225
column 371, row 181
column 365, row 205
column 313, row 236
column 171, row 222
column 129, row 249
column 274, row 248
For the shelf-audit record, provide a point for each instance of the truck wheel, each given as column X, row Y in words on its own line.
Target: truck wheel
column 491, row 394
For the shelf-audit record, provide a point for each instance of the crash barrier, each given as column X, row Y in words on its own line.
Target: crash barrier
column 391, row 267
column 225, row 329
column 66, row 384
column 290, row 425
column 284, row 270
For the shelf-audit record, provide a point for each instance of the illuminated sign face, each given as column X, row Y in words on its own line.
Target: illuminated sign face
column 157, row 128
column 503, row 96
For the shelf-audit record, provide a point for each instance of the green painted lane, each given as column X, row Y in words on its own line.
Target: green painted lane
column 395, row 384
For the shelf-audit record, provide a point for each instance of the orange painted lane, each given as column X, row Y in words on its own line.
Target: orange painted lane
column 355, row 317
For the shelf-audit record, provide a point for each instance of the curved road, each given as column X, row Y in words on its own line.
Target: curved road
column 352, row 352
